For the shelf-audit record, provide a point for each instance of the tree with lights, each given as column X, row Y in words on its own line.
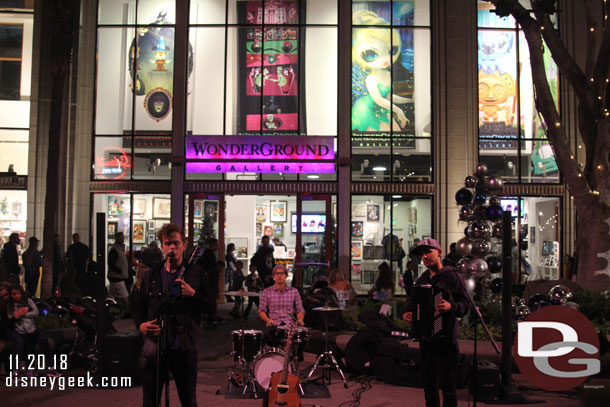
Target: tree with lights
column 589, row 185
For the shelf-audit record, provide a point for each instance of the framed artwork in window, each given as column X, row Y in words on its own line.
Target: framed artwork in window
column 151, row 225
column 372, row 213
column 139, row 206
column 112, row 229
column 139, row 231
column 357, row 229
column 197, row 209
column 278, row 211
column 261, row 212
column 150, row 237
column 268, row 230
column 210, row 209
column 357, row 250
column 162, row 208
column 118, row 205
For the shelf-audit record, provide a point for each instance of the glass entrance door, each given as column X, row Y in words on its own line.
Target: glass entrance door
column 315, row 228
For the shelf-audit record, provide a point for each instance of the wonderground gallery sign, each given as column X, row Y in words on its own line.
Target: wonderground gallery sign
column 260, row 154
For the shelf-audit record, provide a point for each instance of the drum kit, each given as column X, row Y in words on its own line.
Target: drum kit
column 254, row 365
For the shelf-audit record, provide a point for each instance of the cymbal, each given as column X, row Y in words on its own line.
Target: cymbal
column 327, row 309
column 242, row 293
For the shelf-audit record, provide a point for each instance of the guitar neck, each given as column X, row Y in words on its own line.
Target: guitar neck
column 286, row 360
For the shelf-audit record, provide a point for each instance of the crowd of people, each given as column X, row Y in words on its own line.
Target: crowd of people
column 169, row 296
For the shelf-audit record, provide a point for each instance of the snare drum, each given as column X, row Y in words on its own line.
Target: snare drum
column 301, row 334
column 267, row 363
column 252, row 341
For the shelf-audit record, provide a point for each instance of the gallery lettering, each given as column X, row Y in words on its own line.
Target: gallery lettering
column 257, row 150
column 275, row 167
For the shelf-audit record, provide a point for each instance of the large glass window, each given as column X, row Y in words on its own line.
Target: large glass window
column 512, row 135
column 391, row 93
column 265, row 68
column 536, row 250
column 383, row 229
column 135, row 89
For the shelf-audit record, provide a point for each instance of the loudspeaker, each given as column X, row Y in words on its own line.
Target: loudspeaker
column 121, row 351
column 489, row 382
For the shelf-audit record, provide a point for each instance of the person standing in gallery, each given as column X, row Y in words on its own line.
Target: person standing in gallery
column 118, row 269
column 264, row 261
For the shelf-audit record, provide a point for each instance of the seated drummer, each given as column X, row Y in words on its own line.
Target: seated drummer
column 277, row 305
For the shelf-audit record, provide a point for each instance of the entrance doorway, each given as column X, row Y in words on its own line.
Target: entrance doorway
column 301, row 227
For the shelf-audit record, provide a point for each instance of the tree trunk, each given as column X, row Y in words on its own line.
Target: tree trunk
column 59, row 29
column 593, row 246
column 52, row 187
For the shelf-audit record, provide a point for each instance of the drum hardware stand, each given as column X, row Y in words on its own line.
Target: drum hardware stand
column 327, row 358
column 247, row 373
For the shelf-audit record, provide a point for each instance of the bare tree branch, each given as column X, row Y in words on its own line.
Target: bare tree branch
column 591, row 37
column 568, row 67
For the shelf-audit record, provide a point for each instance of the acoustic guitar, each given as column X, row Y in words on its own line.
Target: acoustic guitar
column 284, row 385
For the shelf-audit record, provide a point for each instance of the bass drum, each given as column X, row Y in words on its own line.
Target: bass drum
column 266, row 364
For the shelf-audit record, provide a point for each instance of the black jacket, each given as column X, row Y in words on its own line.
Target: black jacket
column 453, row 282
column 184, row 312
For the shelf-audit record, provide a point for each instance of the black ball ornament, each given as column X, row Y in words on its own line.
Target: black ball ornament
column 493, row 212
column 470, row 181
column 463, row 196
column 480, row 247
column 466, row 213
column 480, row 199
column 495, row 264
column 479, row 213
column 495, row 183
column 496, row 285
column 481, row 169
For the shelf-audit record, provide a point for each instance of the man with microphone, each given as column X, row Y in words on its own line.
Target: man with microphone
column 167, row 310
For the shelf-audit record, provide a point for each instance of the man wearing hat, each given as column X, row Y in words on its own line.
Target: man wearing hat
column 439, row 355
column 32, row 261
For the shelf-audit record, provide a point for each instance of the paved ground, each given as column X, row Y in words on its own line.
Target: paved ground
column 215, row 362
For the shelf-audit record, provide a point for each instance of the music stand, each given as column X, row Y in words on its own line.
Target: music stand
column 327, row 356
column 242, row 363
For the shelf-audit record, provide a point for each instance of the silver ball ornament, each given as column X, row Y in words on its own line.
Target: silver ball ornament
column 470, row 181
column 478, row 268
column 521, row 312
column 478, row 229
column 463, row 246
column 559, row 294
column 480, row 247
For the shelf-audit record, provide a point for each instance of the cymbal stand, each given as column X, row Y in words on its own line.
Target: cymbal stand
column 327, row 358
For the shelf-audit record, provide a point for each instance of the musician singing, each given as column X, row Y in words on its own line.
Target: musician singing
column 171, row 291
column 278, row 303
column 439, row 355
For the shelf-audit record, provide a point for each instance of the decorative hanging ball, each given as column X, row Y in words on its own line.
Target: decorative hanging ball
column 463, row 246
column 494, row 200
column 463, row 196
column 481, row 169
column 470, row 181
column 466, row 213
column 495, row 264
column 493, row 212
column 480, row 199
column 495, row 183
column 496, row 285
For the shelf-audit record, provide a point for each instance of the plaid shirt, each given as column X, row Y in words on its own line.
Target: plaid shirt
column 277, row 304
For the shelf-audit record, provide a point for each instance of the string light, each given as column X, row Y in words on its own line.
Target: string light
column 599, row 167
column 592, row 29
column 572, row 156
column 557, row 124
column 592, row 80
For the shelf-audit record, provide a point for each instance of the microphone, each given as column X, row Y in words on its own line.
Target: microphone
column 170, row 256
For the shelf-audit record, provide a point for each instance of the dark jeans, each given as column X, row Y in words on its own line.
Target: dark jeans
column 183, row 365
column 31, row 282
column 213, row 276
column 251, row 301
column 25, row 344
column 439, row 369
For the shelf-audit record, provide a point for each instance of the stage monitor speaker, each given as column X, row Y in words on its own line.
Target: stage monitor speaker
column 121, row 354
column 489, row 381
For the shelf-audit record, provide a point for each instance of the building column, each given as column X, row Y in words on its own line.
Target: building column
column 455, row 110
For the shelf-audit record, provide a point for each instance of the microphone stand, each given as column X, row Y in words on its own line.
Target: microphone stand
column 479, row 318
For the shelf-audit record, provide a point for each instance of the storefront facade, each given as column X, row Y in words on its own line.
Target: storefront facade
column 250, row 118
